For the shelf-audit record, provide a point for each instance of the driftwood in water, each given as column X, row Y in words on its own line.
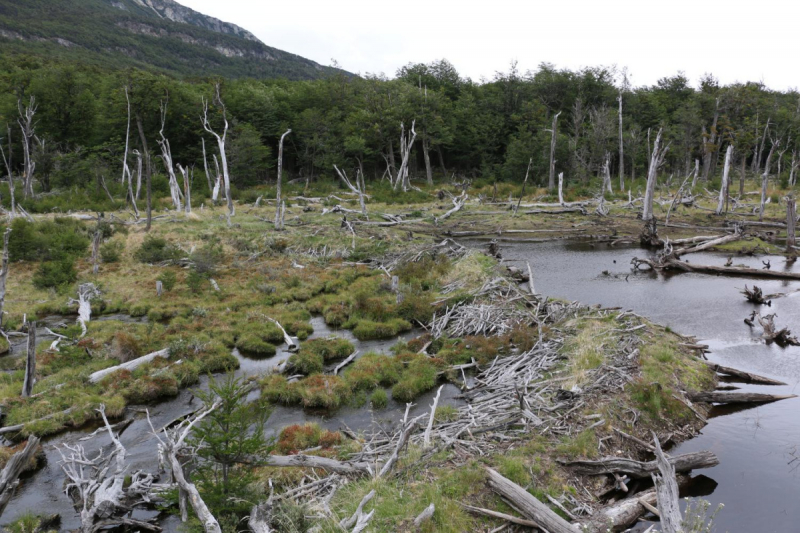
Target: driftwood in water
column 639, row 469
column 736, row 397
column 755, row 295
column 782, row 337
column 528, row 504
column 30, row 362
column 681, row 266
column 130, row 365
column 10, row 474
column 747, row 376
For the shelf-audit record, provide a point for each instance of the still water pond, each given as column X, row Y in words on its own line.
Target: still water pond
column 758, row 478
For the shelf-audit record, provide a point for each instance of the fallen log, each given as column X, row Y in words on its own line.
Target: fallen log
column 639, row 469
column 425, row 515
column 747, row 376
column 708, row 244
column 528, row 504
column 667, row 491
column 130, row 365
column 736, row 397
column 310, row 461
column 560, row 211
column 10, row 474
column 501, row 516
column 619, row 515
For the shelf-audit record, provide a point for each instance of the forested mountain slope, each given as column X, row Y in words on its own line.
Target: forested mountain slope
column 157, row 35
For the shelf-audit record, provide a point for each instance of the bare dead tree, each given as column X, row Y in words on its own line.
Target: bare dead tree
column 221, row 145
column 760, row 148
column 656, row 160
column 791, row 221
column 26, row 124
column 765, row 178
column 621, row 148
column 127, row 136
column 99, row 485
column 406, row 143
column 205, row 165
column 793, row 168
column 187, row 190
column 149, row 171
column 710, row 146
column 667, row 492
column 7, row 162
column 560, row 188
column 86, row 292
column 358, row 188
column 279, row 200
column 723, row 190
column 4, row 272
column 696, row 172
column 30, row 362
column 170, row 450
column 551, row 182
column 607, row 174
column 166, row 157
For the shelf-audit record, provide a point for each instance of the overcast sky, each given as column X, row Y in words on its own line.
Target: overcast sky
column 735, row 40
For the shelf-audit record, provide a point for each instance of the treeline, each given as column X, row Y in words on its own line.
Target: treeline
column 490, row 130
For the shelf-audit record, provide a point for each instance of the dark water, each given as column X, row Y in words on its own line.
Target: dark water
column 757, row 479
column 42, row 492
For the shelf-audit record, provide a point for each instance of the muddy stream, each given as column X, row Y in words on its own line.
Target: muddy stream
column 758, row 478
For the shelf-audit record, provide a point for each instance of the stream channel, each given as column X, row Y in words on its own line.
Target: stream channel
column 758, row 478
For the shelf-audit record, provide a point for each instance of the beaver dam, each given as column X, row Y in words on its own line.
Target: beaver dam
column 453, row 363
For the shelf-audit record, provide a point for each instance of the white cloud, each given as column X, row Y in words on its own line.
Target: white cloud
column 734, row 40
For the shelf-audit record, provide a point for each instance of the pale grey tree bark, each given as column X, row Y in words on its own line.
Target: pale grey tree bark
column 551, row 183
column 279, row 200
column 656, row 159
column 26, row 124
column 221, row 145
column 723, row 190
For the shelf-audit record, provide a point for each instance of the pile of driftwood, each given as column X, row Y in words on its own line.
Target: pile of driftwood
column 780, row 336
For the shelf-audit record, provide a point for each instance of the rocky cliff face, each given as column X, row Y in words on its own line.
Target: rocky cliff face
column 175, row 12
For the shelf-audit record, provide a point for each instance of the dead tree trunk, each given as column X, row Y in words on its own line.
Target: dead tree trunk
column 7, row 161
column 205, row 166
column 607, row 174
column 791, row 221
column 723, row 190
column 221, row 145
column 696, row 172
column 30, row 362
column 166, row 157
column 10, row 474
column 765, row 180
column 426, row 155
column 171, row 447
column 405, row 151
column 98, row 236
column 621, row 149
column 656, row 159
column 528, row 504
column 127, row 136
column 187, row 190
column 4, row 273
column 358, row 188
column 709, row 153
column 551, row 182
column 148, row 170
column 760, row 150
column 27, row 126
column 561, row 188
column 667, row 493
column 86, row 292
column 278, row 210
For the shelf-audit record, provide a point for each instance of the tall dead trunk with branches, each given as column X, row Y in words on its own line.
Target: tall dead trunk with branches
column 279, row 200
column 358, row 188
column 710, row 146
column 621, row 147
column 723, row 189
column 765, row 178
column 4, row 272
column 656, row 160
column 551, row 181
column 221, row 145
column 406, row 143
column 26, row 124
column 166, row 157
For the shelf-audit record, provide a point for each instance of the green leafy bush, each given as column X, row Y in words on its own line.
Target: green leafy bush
column 111, row 252
column 168, row 279
column 156, row 250
column 55, row 274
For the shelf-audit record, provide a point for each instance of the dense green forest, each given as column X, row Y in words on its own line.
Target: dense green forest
column 489, row 130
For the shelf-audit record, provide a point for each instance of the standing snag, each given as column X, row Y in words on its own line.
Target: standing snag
column 30, row 362
column 723, row 190
column 279, row 210
column 656, row 160
column 221, row 145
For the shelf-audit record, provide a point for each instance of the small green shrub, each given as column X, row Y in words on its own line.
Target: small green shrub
column 168, row 279
column 55, row 274
column 156, row 250
column 111, row 252
column 195, row 282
